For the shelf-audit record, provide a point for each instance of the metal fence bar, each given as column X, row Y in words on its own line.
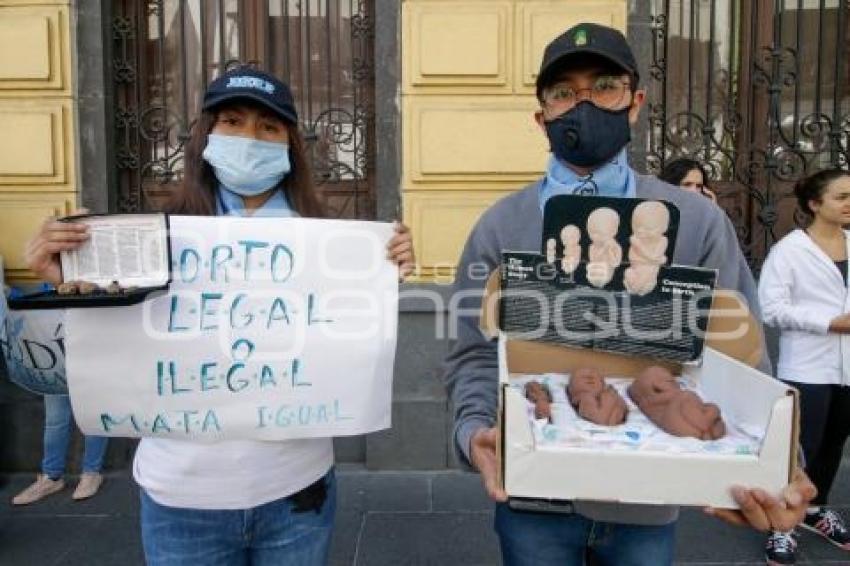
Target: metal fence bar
column 203, row 39
column 222, row 58
column 708, row 125
column 184, row 65
column 797, row 70
column 835, row 129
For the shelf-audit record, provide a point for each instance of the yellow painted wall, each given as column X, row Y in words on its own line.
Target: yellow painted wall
column 37, row 140
column 468, row 72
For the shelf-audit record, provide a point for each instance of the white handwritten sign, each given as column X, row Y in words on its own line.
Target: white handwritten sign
column 272, row 329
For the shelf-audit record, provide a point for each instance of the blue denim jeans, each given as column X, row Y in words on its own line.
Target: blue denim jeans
column 550, row 538
column 58, row 421
column 272, row 534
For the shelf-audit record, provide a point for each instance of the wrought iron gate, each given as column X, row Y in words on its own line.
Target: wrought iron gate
column 164, row 52
column 759, row 90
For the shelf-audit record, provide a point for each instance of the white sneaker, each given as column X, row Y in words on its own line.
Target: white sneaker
column 89, row 484
column 41, row 488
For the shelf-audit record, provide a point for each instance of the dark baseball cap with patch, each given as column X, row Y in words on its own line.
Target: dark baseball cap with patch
column 585, row 39
column 246, row 82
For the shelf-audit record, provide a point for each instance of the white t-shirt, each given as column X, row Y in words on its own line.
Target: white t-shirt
column 235, row 474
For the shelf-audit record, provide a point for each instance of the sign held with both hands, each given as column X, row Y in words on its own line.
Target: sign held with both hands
column 270, row 330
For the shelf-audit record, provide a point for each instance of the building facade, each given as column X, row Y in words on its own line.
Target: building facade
column 413, row 109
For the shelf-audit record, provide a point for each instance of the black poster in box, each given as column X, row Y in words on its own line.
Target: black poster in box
column 540, row 302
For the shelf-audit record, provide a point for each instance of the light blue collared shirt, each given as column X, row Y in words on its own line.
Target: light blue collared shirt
column 614, row 179
column 229, row 203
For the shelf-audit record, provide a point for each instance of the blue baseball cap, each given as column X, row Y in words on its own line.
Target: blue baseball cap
column 246, row 82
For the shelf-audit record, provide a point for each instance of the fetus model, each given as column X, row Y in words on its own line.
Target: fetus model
column 550, row 250
column 594, row 400
column 570, row 237
column 540, row 395
column 604, row 253
column 647, row 247
column 674, row 410
column 688, row 415
column 654, row 386
column 584, row 381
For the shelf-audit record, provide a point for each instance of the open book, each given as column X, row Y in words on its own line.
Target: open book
column 131, row 249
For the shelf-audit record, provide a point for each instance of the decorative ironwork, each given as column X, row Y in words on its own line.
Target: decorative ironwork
column 758, row 91
column 166, row 51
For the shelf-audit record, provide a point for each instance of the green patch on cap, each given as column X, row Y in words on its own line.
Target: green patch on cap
column 580, row 37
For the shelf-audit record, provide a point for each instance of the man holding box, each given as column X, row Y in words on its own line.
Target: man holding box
column 589, row 99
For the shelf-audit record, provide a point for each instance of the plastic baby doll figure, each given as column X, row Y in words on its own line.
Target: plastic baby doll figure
column 675, row 411
column 607, row 408
column 570, row 237
column 688, row 415
column 594, row 400
column 605, row 253
column 584, row 381
column 655, row 385
column 540, row 395
column 647, row 247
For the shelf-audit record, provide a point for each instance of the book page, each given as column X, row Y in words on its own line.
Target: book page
column 127, row 248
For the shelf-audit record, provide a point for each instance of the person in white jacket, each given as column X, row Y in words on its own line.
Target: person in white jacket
column 803, row 291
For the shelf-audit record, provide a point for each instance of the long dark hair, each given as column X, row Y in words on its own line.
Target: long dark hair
column 196, row 195
column 678, row 169
column 813, row 187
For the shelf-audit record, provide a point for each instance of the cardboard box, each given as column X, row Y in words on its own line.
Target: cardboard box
column 726, row 378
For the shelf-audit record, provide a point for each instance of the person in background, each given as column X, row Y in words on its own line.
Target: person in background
column 58, row 420
column 688, row 174
column 803, row 292
column 58, row 424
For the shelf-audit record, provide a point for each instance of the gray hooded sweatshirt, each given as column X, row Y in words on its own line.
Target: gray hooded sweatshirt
column 706, row 238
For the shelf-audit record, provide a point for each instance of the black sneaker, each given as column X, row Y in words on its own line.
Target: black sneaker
column 830, row 526
column 781, row 549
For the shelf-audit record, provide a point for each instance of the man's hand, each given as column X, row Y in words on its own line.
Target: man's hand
column 764, row 512
column 482, row 450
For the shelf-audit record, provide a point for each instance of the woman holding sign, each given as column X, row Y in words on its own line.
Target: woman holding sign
column 235, row 502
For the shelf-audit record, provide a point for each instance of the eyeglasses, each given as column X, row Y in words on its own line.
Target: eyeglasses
column 607, row 92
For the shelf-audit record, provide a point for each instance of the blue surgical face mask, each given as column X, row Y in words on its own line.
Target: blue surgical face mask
column 246, row 166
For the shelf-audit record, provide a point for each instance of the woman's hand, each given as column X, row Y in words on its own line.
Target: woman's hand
column 400, row 250
column 42, row 252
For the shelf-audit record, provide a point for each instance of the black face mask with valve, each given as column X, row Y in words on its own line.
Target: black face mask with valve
column 587, row 135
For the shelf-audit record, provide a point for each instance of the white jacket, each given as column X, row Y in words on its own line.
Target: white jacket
column 801, row 291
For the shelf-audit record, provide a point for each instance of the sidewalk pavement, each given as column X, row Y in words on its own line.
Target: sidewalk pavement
column 383, row 519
